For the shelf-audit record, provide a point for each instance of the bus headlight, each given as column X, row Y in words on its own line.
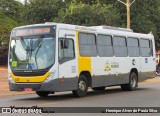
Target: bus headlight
column 10, row 79
column 50, row 77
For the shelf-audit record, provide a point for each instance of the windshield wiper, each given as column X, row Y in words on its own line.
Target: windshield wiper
column 32, row 47
column 38, row 51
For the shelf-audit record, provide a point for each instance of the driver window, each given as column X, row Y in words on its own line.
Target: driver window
column 66, row 52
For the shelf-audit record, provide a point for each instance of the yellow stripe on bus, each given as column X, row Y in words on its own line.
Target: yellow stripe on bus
column 84, row 63
column 30, row 79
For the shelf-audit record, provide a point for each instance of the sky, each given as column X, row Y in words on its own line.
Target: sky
column 21, row 0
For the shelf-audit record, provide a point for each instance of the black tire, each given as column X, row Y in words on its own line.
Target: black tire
column 42, row 93
column 82, row 87
column 99, row 88
column 133, row 83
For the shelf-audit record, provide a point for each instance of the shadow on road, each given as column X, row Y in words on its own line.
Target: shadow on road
column 62, row 96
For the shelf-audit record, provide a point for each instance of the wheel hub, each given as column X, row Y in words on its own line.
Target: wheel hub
column 133, row 81
column 82, row 86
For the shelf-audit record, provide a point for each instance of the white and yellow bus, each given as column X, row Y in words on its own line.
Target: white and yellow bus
column 53, row 57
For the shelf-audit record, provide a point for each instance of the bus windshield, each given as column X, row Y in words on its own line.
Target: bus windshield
column 32, row 52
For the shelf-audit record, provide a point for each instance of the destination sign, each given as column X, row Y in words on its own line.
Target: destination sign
column 32, row 31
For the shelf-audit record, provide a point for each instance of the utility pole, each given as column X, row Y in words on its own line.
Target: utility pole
column 128, row 7
column 25, row 2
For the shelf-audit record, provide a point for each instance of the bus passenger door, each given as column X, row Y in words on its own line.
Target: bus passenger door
column 67, row 60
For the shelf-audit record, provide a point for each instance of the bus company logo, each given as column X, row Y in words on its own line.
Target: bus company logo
column 107, row 66
column 114, row 65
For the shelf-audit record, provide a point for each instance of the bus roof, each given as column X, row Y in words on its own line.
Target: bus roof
column 96, row 29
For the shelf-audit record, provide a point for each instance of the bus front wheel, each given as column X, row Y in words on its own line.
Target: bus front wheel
column 82, row 87
column 132, row 85
column 42, row 93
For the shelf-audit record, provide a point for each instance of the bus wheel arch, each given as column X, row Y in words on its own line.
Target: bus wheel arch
column 135, row 71
column 133, row 81
column 87, row 74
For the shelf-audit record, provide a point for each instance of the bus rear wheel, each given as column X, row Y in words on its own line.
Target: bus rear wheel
column 132, row 83
column 42, row 93
column 82, row 87
column 99, row 88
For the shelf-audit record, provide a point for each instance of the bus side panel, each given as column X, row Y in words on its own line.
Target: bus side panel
column 126, row 64
column 112, row 71
column 103, row 73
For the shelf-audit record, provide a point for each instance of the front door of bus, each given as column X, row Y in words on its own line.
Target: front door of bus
column 67, row 60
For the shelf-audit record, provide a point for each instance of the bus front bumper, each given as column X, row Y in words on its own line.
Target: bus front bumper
column 53, row 85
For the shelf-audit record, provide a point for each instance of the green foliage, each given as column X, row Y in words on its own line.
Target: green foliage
column 13, row 9
column 6, row 24
column 10, row 16
column 85, row 14
column 40, row 11
column 145, row 14
column 145, row 17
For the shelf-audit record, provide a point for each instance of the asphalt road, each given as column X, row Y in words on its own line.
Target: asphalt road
column 146, row 95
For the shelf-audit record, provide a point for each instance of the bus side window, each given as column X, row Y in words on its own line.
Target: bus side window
column 133, row 47
column 145, row 49
column 66, row 54
column 119, row 45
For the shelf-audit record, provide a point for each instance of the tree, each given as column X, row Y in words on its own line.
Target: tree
column 12, row 9
column 10, row 16
column 145, row 15
column 145, row 18
column 40, row 11
column 6, row 25
column 91, row 2
column 89, row 15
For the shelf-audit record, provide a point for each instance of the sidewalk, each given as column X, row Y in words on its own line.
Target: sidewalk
column 3, row 73
column 4, row 86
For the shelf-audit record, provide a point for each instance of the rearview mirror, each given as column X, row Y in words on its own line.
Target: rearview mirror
column 64, row 43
